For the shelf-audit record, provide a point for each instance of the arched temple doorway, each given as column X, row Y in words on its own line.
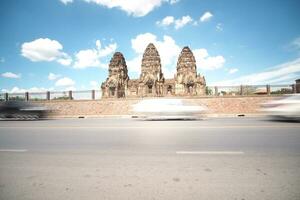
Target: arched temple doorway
column 149, row 86
column 169, row 89
column 190, row 87
column 112, row 91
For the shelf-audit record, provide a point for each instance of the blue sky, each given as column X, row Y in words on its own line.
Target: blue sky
column 67, row 44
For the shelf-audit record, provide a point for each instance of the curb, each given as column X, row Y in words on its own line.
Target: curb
column 239, row 115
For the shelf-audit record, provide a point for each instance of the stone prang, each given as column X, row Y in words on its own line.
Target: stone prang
column 151, row 78
column 151, row 65
column 186, row 79
column 115, row 84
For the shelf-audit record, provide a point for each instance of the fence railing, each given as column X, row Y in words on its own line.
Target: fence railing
column 241, row 90
column 52, row 95
column 245, row 90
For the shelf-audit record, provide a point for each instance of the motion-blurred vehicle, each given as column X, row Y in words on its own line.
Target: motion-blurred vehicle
column 22, row 110
column 173, row 109
column 287, row 107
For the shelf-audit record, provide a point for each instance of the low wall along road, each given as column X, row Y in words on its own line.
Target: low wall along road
column 109, row 107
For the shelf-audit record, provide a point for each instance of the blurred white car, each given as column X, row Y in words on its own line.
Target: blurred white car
column 167, row 109
column 287, row 107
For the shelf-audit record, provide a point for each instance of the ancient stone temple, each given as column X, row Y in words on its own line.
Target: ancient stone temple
column 151, row 82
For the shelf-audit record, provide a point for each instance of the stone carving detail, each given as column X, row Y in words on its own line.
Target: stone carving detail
column 151, row 81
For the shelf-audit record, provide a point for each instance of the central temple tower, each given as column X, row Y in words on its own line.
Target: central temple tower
column 151, row 78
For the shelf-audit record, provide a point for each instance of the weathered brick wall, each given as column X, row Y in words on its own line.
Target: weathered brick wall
column 105, row 107
column 233, row 105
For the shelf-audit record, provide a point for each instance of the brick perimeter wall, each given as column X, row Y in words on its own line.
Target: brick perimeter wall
column 106, row 107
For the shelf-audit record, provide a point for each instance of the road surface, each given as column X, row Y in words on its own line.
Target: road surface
column 231, row 158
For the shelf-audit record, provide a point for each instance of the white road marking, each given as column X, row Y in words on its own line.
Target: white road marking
column 14, row 150
column 212, row 152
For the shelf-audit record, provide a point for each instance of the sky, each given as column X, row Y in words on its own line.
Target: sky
column 67, row 44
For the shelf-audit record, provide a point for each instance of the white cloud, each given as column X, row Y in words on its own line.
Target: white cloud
column 65, row 82
column 42, row 49
column 72, row 88
column 98, row 44
column 87, row 58
column 184, row 20
column 204, row 61
column 219, row 27
column 233, row 70
column 281, row 74
column 286, row 79
column 140, row 42
column 53, row 76
column 134, row 65
column 65, row 60
column 91, row 57
column 179, row 23
column 167, row 48
column 66, row 1
column 108, row 50
column 94, row 85
column 22, row 90
column 206, row 17
column 169, row 72
column 10, row 75
column 136, row 8
column 295, row 44
column 168, row 20
column 45, row 49
column 169, row 52
column 174, row 1
column 14, row 90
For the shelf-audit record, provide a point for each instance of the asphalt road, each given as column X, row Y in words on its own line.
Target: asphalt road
column 232, row 158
